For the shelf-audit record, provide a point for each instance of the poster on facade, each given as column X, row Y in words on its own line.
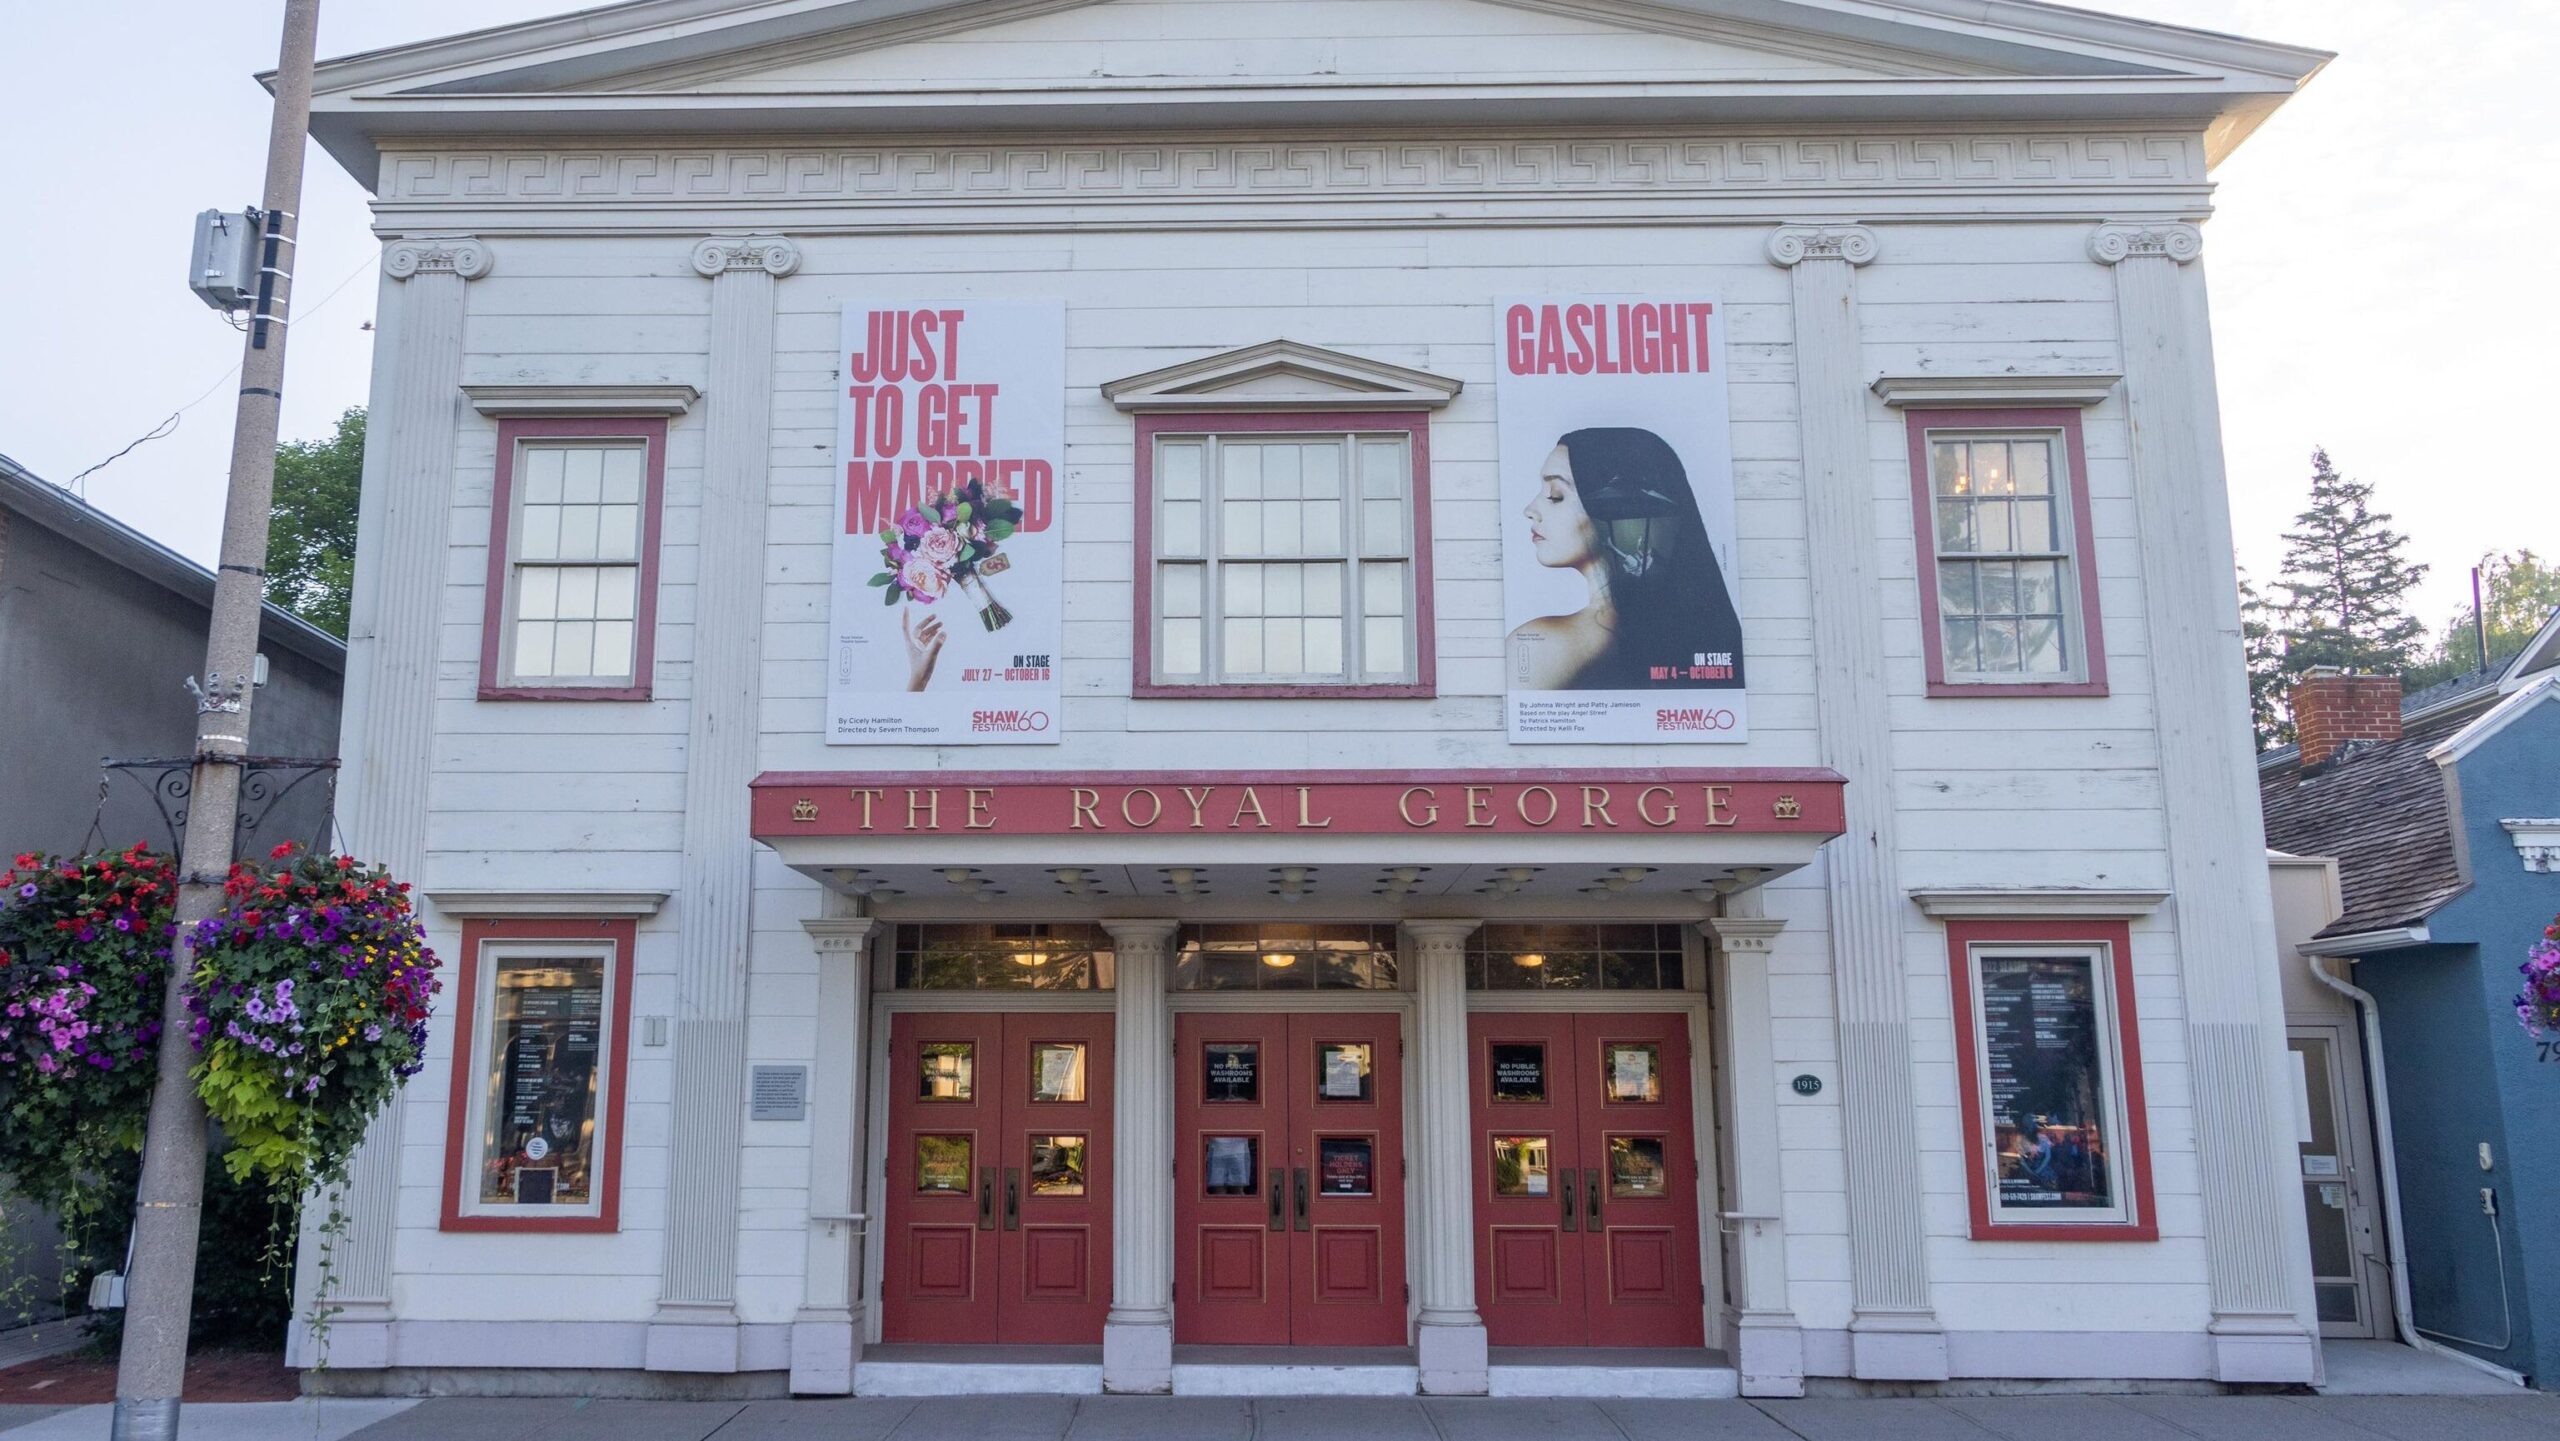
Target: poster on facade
column 1618, row 542
column 2047, row 1092
column 949, row 578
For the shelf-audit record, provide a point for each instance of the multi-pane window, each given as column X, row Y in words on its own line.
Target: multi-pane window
column 1503, row 956
column 1282, row 956
column 2005, row 575
column 963, row 956
column 574, row 563
column 1284, row 558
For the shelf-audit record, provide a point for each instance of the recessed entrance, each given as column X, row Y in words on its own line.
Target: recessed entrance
column 1586, row 1180
column 1288, row 1179
column 998, row 1206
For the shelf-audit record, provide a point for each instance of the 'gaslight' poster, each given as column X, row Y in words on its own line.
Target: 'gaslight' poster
column 1619, row 587
column 948, row 581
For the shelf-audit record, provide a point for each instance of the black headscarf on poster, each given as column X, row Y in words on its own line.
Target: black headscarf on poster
column 1668, row 590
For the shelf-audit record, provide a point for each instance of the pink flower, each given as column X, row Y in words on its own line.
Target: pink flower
column 923, row 579
column 939, row 546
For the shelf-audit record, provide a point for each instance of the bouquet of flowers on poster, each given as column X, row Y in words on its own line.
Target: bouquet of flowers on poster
column 1619, row 587
column 948, row 579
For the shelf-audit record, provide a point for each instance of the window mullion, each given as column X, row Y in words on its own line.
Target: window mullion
column 1213, row 578
column 1355, row 546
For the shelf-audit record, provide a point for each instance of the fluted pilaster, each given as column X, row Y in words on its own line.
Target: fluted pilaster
column 1763, row 1334
column 2254, row 1252
column 1137, row 1336
column 404, row 527
column 720, row 759
column 1451, row 1335
column 1895, row 1333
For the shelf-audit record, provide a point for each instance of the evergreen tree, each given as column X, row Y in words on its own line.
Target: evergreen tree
column 2346, row 581
column 311, row 542
column 2262, row 642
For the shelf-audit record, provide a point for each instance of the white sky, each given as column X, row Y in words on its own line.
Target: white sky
column 2374, row 260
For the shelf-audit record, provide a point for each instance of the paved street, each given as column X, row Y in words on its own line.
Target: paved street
column 2520, row 1417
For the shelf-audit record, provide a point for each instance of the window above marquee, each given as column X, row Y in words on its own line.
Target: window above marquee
column 978, row 957
column 1284, row 538
column 1574, row 957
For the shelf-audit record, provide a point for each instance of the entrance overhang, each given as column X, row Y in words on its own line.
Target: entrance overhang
column 1362, row 843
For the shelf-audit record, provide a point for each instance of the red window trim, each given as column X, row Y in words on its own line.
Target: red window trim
column 461, row 1155
column 2117, row 938
column 652, row 432
column 2093, row 641
column 1416, row 424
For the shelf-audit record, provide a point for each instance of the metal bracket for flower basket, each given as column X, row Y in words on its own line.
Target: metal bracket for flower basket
column 267, row 784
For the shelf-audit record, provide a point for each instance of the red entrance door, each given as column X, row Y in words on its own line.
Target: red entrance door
column 1288, row 1180
column 999, row 1178
column 1586, row 1180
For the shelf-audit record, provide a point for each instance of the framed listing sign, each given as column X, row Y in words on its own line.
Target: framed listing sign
column 1618, row 545
column 948, row 576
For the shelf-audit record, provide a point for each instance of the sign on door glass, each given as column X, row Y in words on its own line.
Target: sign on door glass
column 1231, row 1072
column 942, row 1165
column 1342, row 1072
column 1057, row 1071
column 1636, row 1167
column 1346, row 1166
column 1632, row 1071
column 1519, row 1071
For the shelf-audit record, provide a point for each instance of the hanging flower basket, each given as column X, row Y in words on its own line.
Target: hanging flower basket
column 84, row 949
column 310, row 996
column 2538, row 1004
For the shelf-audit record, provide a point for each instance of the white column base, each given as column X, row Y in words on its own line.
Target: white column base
column 2263, row 1350
column 825, row 1344
column 1768, row 1352
column 1454, row 1359
column 1897, row 1346
column 692, row 1338
column 1137, row 1359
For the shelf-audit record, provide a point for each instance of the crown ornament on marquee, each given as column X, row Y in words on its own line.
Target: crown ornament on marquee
column 1792, row 245
column 2116, row 244
column 436, row 255
column 722, row 254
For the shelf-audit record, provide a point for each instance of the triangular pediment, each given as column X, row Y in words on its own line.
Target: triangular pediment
column 674, row 67
column 1016, row 43
column 1282, row 375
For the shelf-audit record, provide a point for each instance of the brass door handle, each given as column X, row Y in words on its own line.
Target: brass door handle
column 1302, row 1198
column 1566, row 1191
column 986, row 1198
column 1279, row 1183
column 1013, row 1198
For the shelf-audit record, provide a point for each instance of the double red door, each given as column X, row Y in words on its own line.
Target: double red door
column 998, row 1205
column 1586, row 1184
column 1288, row 1180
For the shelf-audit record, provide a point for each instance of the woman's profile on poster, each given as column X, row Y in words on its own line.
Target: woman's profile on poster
column 1614, row 503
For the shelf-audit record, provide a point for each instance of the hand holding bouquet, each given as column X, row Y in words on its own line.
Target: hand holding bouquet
column 950, row 540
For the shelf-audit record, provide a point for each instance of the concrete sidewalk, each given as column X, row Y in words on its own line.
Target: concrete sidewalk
column 2512, row 1417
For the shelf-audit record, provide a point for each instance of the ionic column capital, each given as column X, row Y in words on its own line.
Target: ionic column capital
column 1434, row 934
column 458, row 255
column 1792, row 245
column 840, row 935
column 2116, row 244
column 1751, row 934
column 1148, row 935
column 720, row 254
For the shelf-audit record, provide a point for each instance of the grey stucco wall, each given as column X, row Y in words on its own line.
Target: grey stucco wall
column 95, row 658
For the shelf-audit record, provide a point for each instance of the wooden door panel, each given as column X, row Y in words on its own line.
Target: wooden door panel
column 1055, row 1236
column 1642, row 1282
column 1347, row 1264
column 945, row 1121
column 1524, row 1083
column 1230, row 1146
column 1057, row 1263
column 1233, row 1263
column 1346, row 1141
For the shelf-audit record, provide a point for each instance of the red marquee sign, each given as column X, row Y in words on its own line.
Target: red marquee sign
column 1540, row 802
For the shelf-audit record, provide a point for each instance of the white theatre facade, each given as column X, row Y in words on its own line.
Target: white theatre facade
column 1512, row 696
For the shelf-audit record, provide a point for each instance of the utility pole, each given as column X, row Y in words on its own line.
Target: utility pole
column 160, row 1288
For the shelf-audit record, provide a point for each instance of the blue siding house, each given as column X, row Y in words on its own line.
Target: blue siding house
column 2444, row 816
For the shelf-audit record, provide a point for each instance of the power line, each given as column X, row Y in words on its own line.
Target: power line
column 169, row 427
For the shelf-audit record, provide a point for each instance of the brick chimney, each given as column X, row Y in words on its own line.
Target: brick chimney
column 2332, row 707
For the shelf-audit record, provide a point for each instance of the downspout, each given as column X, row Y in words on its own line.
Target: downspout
column 2395, row 1241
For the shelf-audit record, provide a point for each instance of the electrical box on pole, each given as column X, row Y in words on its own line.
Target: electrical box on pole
column 223, row 271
